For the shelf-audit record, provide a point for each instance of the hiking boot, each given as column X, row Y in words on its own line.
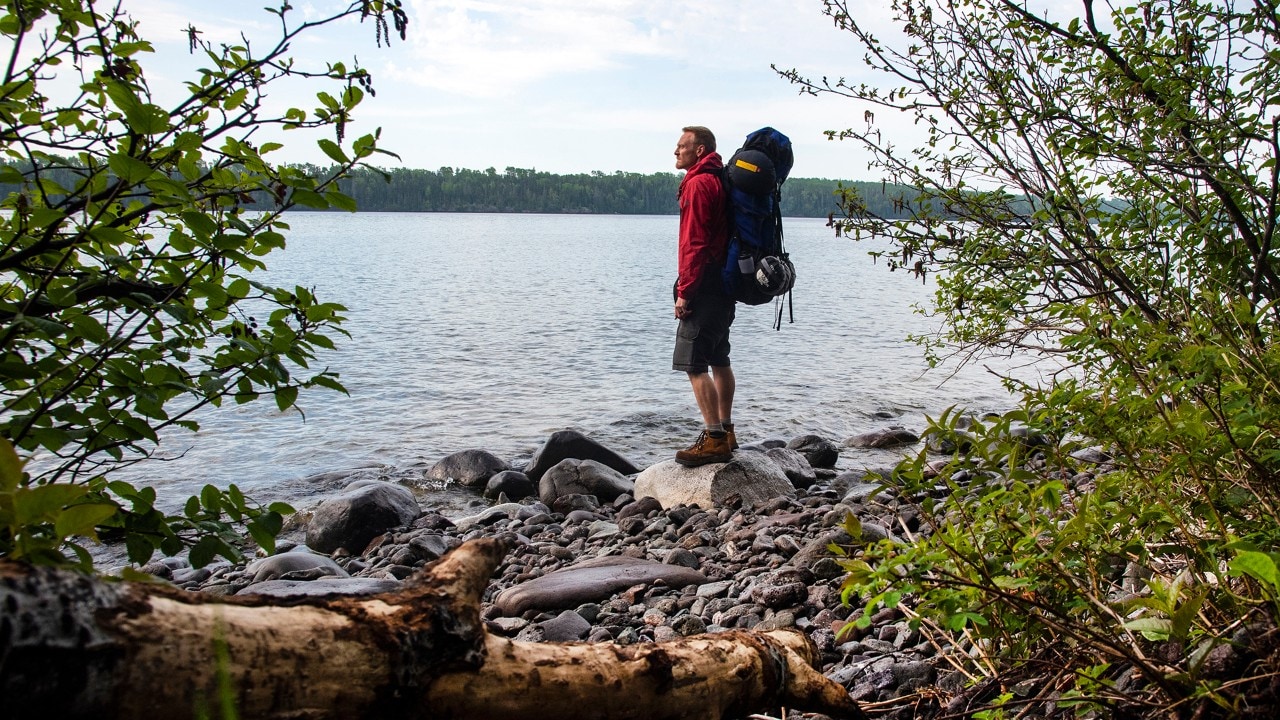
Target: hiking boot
column 706, row 449
column 733, row 439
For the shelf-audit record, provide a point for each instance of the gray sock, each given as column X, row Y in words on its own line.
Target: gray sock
column 714, row 429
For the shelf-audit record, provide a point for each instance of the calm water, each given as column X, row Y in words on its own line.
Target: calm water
column 492, row 331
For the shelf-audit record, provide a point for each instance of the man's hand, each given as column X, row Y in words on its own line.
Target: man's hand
column 682, row 307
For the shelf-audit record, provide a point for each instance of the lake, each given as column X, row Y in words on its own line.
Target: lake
column 493, row 331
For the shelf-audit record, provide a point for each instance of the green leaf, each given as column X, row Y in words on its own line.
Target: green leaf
column 205, row 550
column 211, row 498
column 10, row 466
column 43, row 503
column 82, row 519
column 286, row 397
column 334, row 152
column 309, row 198
column 1152, row 628
column 341, row 201
column 1256, row 565
column 128, row 168
column 200, row 223
column 138, row 547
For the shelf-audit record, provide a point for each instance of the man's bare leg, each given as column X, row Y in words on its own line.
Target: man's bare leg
column 707, row 395
column 725, row 385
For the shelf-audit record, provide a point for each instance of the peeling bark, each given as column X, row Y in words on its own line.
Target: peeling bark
column 73, row 646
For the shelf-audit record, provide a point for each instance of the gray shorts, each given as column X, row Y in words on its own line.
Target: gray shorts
column 702, row 339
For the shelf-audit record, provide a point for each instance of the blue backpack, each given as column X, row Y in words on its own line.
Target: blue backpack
column 757, row 269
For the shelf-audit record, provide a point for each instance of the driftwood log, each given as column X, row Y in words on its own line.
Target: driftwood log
column 72, row 646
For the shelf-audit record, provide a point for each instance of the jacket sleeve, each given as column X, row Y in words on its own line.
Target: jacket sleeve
column 701, row 212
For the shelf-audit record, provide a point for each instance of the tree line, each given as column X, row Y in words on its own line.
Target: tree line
column 521, row 190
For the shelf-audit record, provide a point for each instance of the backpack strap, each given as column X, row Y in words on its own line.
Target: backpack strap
column 782, row 252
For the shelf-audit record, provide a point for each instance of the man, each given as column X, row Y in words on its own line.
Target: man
column 704, row 310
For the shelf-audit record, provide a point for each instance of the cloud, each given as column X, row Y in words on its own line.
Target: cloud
column 488, row 49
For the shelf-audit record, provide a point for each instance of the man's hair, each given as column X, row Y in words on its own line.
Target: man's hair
column 702, row 136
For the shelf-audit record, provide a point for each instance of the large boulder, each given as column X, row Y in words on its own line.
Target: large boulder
column 750, row 476
column 821, row 452
column 565, row 444
column 364, row 510
column 582, row 477
column 471, row 468
column 591, row 580
column 885, row 438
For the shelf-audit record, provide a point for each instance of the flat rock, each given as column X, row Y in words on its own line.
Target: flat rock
column 323, row 586
column 565, row 444
column 591, row 581
column 750, row 475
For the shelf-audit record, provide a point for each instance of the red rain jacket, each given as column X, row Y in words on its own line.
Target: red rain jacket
column 704, row 224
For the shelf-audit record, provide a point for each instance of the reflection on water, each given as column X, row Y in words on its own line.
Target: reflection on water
column 492, row 331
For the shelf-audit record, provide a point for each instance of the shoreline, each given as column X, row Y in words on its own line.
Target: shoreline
column 766, row 566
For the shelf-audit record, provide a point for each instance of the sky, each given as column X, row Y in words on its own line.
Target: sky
column 563, row 86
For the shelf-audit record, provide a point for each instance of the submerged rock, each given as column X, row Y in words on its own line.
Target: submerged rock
column 471, row 468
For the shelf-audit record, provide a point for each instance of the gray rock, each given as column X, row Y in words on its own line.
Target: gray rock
column 780, row 596
column 818, row 548
column 916, row 670
column 821, row 452
column 509, row 626
column 601, row 529
column 750, row 476
column 714, row 589
column 364, row 510
column 575, row 502
column 512, row 483
column 896, row 436
column 568, row 626
column 431, row 547
column 640, row 506
column 1094, row 456
column 566, row 444
column 471, row 468
column 860, row 492
column 489, row 516
column 682, row 557
column 578, row 516
column 794, row 465
column 321, row 587
column 686, row 625
column 297, row 560
column 582, row 477
column 591, row 581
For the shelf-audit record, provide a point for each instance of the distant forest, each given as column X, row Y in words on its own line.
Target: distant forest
column 517, row 190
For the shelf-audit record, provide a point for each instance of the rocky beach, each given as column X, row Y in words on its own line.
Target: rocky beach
column 604, row 552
